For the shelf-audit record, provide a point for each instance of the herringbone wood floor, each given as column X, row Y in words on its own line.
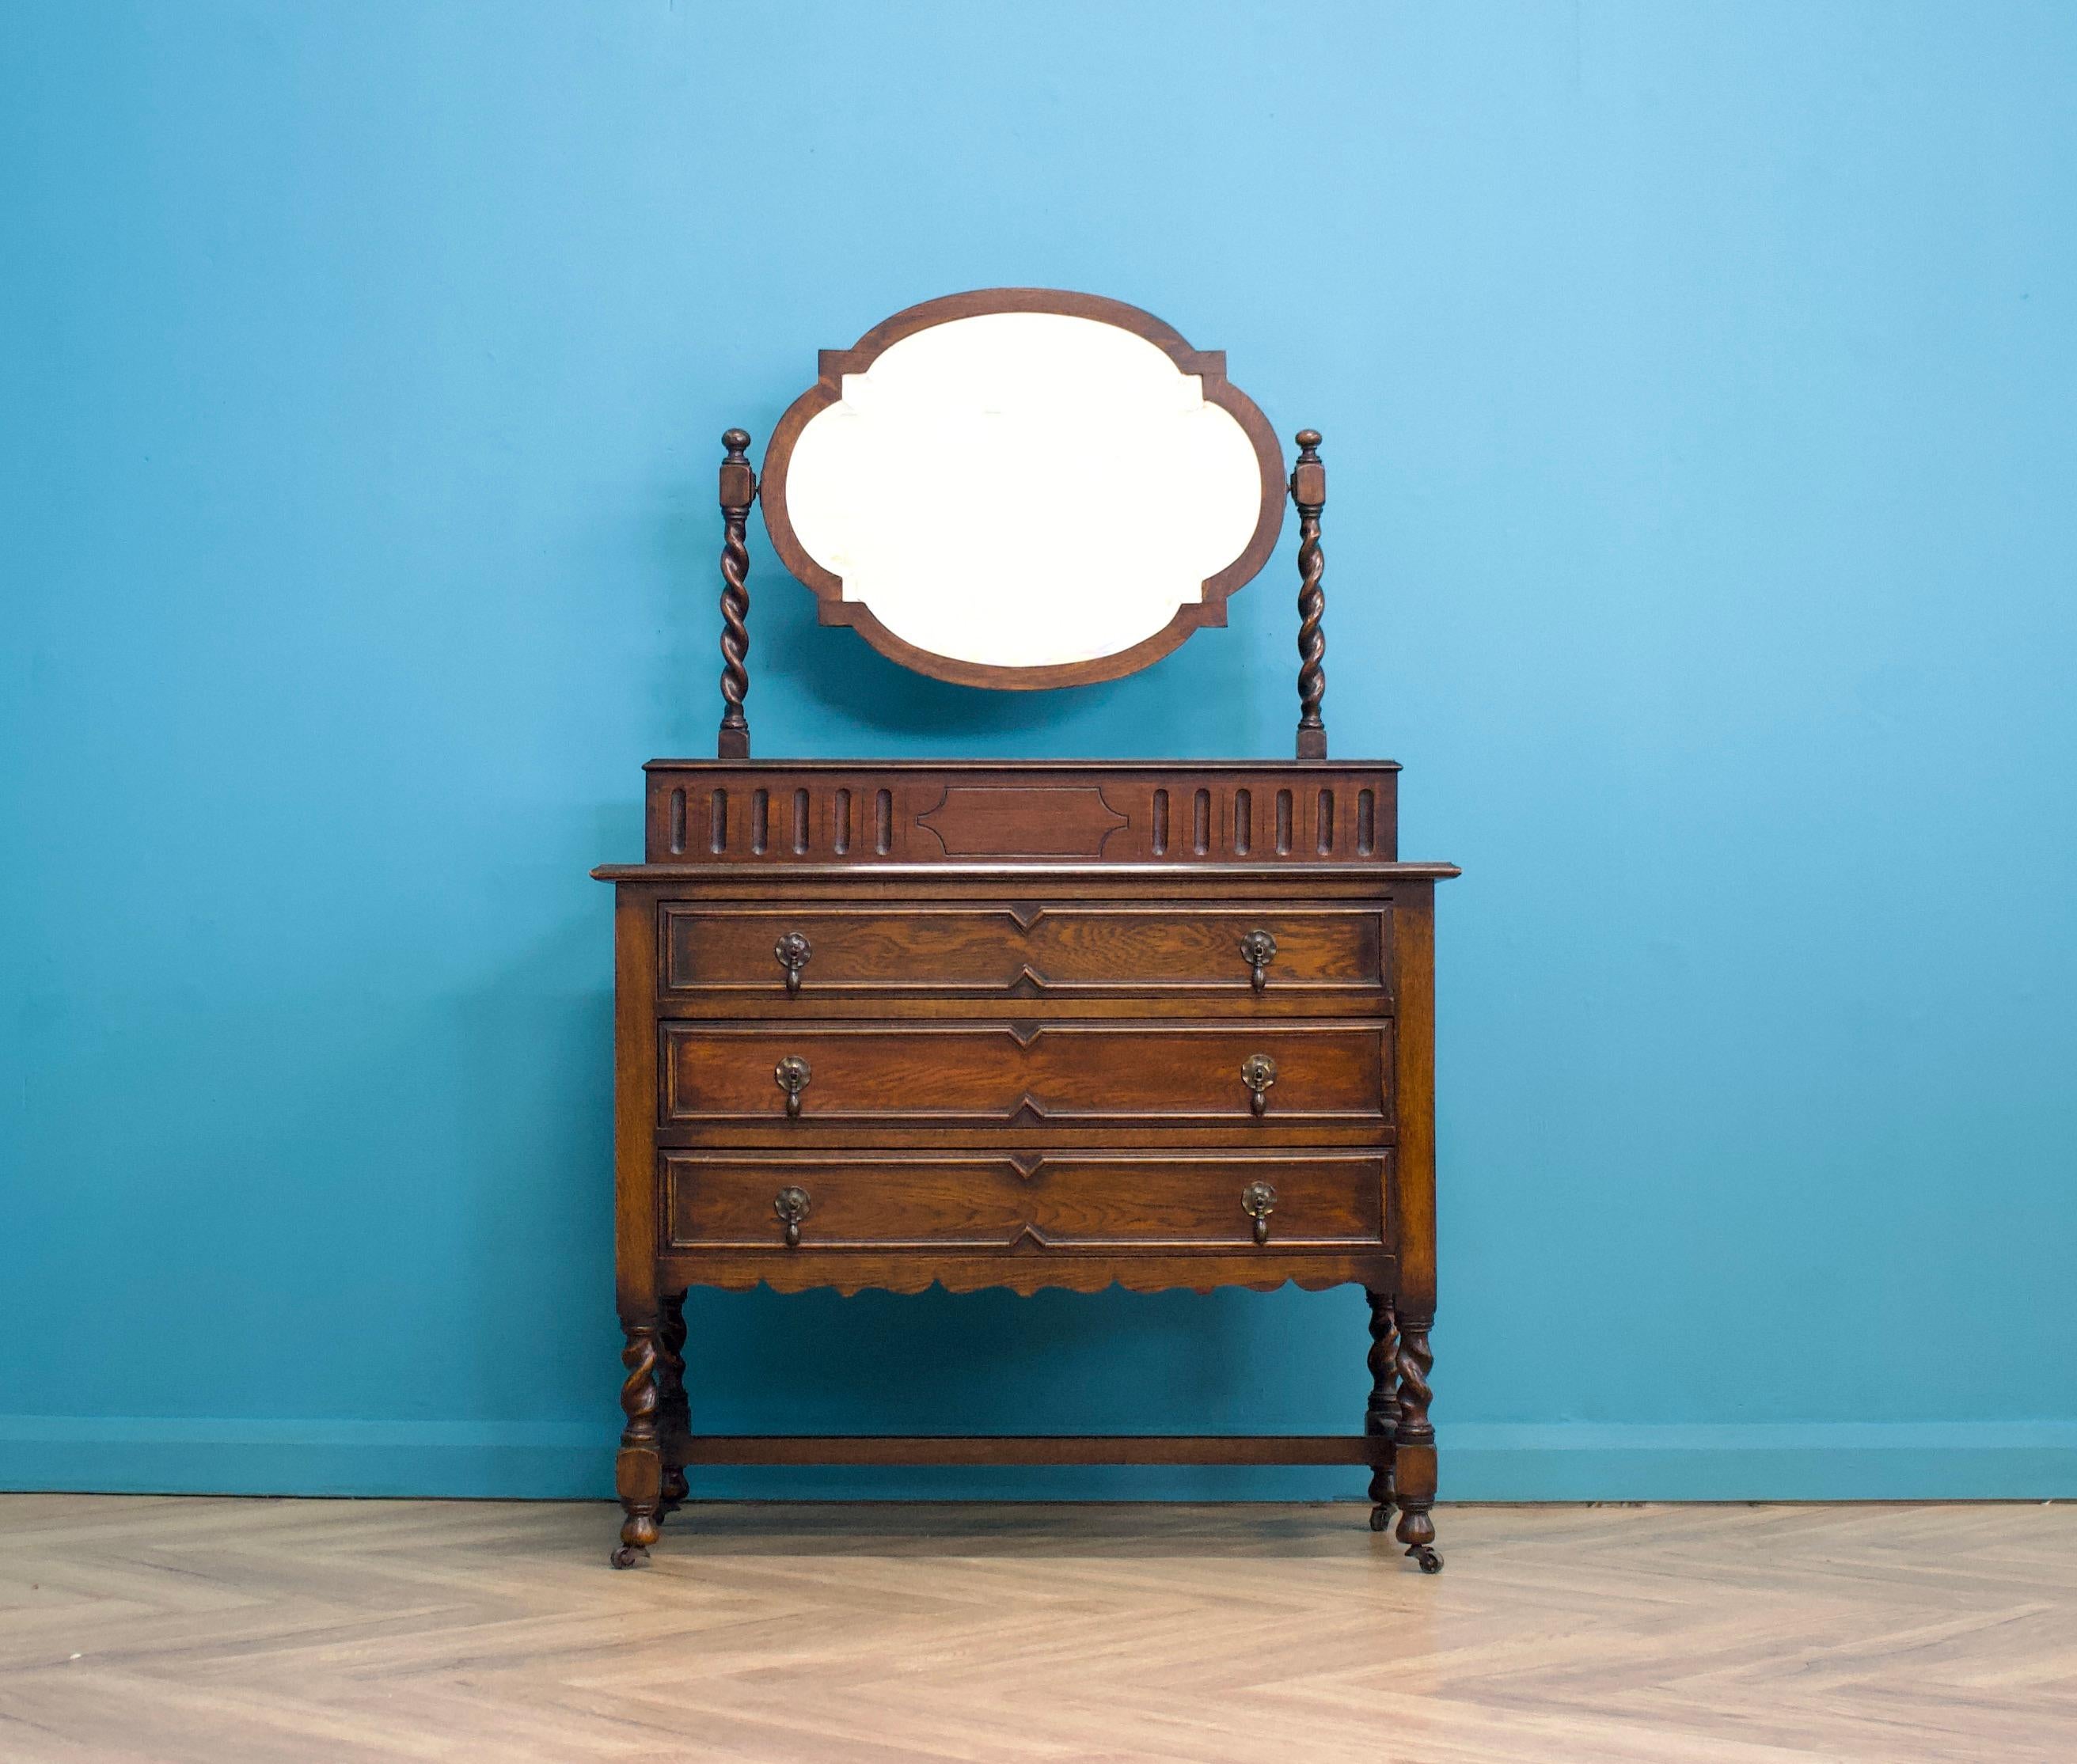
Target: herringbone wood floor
column 224, row 1631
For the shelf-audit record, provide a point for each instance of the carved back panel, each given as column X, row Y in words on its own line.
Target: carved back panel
column 723, row 812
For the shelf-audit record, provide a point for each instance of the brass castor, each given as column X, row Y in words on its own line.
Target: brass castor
column 629, row 1556
column 1423, row 1553
column 1380, row 1518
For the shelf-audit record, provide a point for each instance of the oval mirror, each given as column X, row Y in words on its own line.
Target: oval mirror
column 1023, row 488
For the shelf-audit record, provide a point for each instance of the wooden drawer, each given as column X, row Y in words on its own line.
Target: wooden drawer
column 1053, row 1074
column 1055, row 1201
column 984, row 950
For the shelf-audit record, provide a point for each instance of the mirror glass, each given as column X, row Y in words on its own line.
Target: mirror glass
column 1026, row 490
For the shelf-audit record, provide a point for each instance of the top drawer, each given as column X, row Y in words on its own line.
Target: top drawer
column 820, row 953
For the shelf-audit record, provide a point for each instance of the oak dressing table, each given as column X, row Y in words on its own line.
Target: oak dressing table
column 1023, row 1024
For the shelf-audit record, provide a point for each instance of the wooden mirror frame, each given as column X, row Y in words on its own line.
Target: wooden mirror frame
column 1209, row 365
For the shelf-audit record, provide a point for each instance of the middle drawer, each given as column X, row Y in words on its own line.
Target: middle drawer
column 1054, row 1074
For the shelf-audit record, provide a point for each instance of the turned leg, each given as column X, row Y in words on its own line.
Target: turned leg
column 673, row 1413
column 637, row 1472
column 1381, row 1413
column 1414, row 1443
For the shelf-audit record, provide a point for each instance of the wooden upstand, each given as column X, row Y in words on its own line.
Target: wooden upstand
column 1035, row 1023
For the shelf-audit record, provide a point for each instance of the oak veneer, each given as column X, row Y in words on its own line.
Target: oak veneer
column 854, row 1053
column 1024, row 1025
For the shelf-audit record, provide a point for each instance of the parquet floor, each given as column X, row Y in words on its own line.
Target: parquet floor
column 227, row 1631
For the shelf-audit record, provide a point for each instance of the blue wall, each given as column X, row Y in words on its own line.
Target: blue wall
column 1699, row 395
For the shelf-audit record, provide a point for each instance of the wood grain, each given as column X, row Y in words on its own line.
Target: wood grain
column 684, row 1447
column 870, row 814
column 1029, row 1075
column 1162, row 1002
column 1065, row 1201
column 135, row 1630
column 1003, row 952
column 1029, row 1267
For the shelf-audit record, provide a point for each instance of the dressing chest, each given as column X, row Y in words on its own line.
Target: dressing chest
column 1021, row 1024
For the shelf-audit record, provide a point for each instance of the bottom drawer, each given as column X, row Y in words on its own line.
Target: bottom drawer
column 1007, row 1201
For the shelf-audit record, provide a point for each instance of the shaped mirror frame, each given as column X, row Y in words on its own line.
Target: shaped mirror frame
column 1117, row 490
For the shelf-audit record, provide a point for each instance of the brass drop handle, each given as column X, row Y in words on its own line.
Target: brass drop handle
column 1257, row 1200
column 1258, row 1071
column 793, row 951
column 793, row 1074
column 1258, row 949
column 792, row 1205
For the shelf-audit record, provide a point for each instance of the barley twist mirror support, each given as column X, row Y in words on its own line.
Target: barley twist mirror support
column 1021, row 489
column 738, row 489
column 1309, row 491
